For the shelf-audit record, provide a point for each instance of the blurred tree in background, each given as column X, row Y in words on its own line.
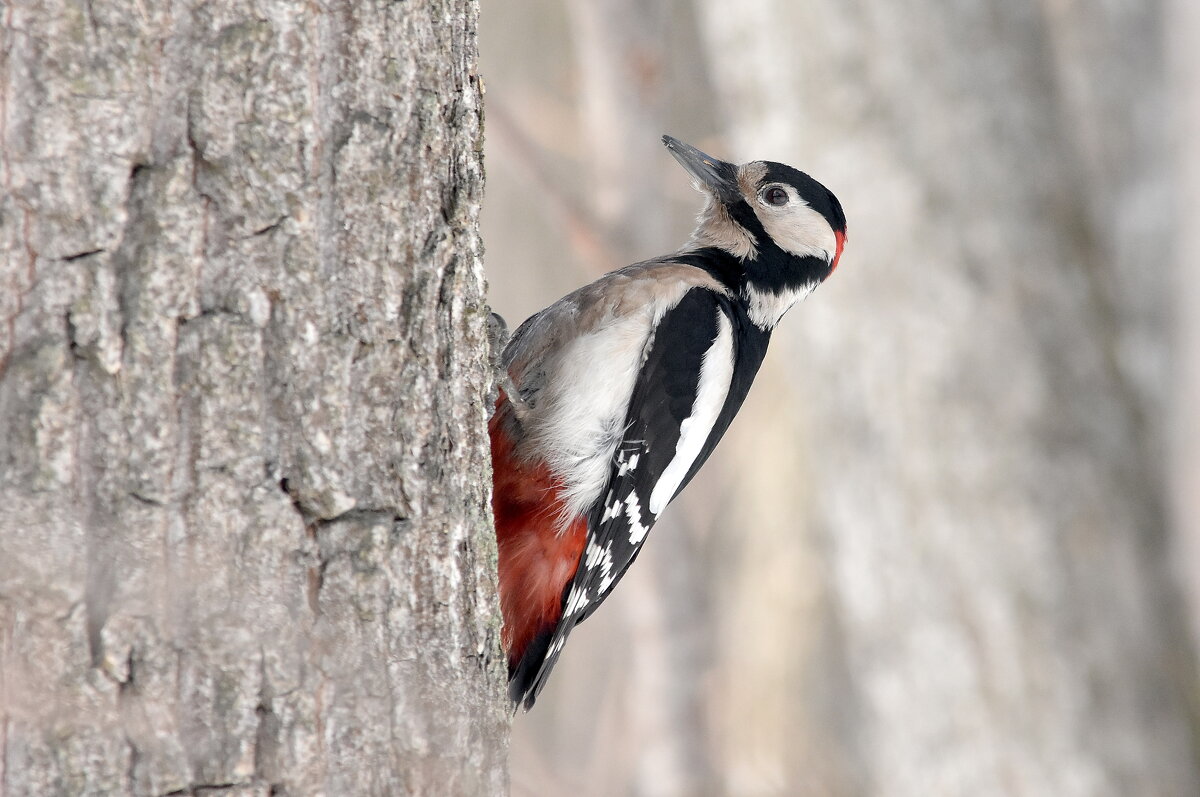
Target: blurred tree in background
column 933, row 556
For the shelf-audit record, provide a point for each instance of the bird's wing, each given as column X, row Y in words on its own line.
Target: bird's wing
column 528, row 354
column 675, row 416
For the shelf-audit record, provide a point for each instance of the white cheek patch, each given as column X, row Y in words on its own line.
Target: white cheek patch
column 798, row 229
column 716, row 374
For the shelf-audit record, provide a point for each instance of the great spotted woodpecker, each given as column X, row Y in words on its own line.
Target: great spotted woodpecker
column 613, row 397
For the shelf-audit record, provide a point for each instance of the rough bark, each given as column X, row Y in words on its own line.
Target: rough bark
column 982, row 387
column 245, row 545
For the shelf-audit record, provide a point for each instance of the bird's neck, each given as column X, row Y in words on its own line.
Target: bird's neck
column 776, row 280
column 724, row 267
column 769, row 283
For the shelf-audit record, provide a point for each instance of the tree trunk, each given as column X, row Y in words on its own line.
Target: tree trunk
column 982, row 386
column 245, row 544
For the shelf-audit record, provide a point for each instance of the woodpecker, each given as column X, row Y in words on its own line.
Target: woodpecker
column 613, row 397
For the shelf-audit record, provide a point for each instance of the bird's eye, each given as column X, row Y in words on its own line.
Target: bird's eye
column 775, row 196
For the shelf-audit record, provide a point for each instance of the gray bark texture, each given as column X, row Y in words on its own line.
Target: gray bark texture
column 245, row 542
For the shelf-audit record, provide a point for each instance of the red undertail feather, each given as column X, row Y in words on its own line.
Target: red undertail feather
column 536, row 560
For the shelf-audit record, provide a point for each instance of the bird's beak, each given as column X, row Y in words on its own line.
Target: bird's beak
column 715, row 175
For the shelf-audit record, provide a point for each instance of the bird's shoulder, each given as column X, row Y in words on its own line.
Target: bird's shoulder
column 652, row 283
column 648, row 288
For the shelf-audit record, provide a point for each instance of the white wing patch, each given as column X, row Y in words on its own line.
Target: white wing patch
column 715, row 377
column 576, row 601
column 633, row 511
column 602, row 558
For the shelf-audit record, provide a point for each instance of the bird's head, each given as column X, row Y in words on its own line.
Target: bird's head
column 764, row 212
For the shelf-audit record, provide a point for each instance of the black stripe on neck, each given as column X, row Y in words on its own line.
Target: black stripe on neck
column 774, row 269
column 724, row 267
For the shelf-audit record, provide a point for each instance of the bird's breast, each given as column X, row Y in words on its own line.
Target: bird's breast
column 580, row 414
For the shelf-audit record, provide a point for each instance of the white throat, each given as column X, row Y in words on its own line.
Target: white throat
column 766, row 308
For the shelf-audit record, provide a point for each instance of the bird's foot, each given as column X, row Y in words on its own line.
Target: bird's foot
column 498, row 336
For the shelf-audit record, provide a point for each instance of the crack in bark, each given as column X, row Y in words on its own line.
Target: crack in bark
column 139, row 174
column 315, row 574
column 211, row 312
column 72, row 342
column 199, row 789
column 89, row 13
column 131, row 771
column 365, row 513
column 208, row 201
column 269, row 228
column 144, row 500
column 81, row 255
column 266, row 734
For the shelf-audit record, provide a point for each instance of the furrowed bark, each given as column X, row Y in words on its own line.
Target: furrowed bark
column 245, row 544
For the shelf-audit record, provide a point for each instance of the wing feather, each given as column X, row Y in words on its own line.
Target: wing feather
column 676, row 414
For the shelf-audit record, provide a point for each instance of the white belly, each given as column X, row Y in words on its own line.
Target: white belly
column 581, row 419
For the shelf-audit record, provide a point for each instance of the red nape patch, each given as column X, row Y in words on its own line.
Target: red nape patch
column 536, row 561
column 841, row 244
